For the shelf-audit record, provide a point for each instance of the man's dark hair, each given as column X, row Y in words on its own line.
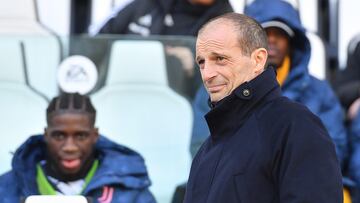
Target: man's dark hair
column 251, row 35
column 72, row 103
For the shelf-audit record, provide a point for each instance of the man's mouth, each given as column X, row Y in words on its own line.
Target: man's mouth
column 70, row 163
column 273, row 52
column 215, row 88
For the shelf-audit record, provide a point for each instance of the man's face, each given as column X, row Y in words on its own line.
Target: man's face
column 223, row 67
column 70, row 139
column 279, row 45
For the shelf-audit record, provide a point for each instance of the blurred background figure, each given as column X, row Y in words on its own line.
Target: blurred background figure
column 164, row 17
column 72, row 159
column 348, row 89
column 348, row 80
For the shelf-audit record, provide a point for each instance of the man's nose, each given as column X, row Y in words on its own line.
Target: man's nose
column 271, row 38
column 70, row 145
column 208, row 72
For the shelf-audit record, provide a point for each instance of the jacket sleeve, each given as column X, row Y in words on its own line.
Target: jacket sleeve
column 145, row 196
column 332, row 116
column 348, row 93
column 309, row 170
column 118, row 21
column 9, row 190
column 348, row 80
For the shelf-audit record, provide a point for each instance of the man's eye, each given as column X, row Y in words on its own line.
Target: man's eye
column 82, row 136
column 220, row 58
column 58, row 136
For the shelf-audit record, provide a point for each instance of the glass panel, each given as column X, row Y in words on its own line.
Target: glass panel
column 182, row 72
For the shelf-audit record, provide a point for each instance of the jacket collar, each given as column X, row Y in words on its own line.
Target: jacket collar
column 229, row 113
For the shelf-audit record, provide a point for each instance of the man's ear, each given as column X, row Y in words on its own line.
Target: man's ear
column 45, row 133
column 96, row 134
column 259, row 56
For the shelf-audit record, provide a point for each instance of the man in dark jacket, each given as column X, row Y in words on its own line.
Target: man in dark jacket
column 72, row 159
column 262, row 146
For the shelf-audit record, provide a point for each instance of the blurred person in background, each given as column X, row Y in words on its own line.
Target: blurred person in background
column 348, row 89
column 348, row 80
column 164, row 17
column 71, row 158
column 289, row 54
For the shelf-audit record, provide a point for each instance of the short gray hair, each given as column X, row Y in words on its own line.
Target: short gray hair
column 251, row 35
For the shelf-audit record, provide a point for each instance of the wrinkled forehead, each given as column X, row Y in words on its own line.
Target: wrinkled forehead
column 216, row 35
column 216, row 25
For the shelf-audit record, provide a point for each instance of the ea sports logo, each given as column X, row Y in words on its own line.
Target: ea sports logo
column 77, row 74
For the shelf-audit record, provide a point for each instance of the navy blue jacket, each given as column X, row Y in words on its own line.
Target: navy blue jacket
column 264, row 148
column 299, row 86
column 121, row 174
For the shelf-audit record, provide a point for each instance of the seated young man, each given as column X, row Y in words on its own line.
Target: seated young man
column 72, row 159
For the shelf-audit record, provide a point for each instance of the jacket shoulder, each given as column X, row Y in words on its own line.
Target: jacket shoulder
column 284, row 109
column 289, row 118
column 318, row 84
column 111, row 155
column 298, row 141
column 320, row 92
column 9, row 187
column 6, row 178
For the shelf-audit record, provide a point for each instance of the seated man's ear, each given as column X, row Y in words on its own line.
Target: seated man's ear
column 259, row 56
column 45, row 132
column 96, row 134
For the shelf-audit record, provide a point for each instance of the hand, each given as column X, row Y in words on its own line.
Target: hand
column 354, row 109
column 185, row 56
